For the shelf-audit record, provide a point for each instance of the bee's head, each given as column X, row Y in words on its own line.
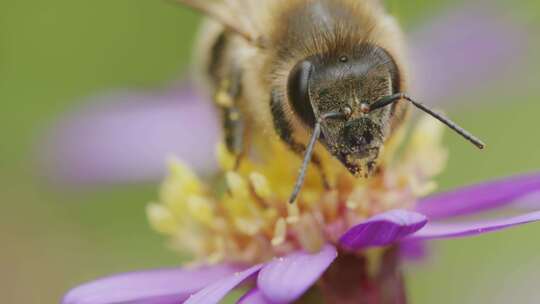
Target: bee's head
column 336, row 91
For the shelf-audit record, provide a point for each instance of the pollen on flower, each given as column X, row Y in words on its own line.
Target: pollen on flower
column 225, row 159
column 260, row 185
column 201, row 209
column 237, row 185
column 252, row 221
column 161, row 219
column 279, row 232
column 293, row 213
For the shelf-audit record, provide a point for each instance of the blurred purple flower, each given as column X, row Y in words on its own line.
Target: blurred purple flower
column 128, row 140
column 124, row 137
column 339, row 274
column 464, row 49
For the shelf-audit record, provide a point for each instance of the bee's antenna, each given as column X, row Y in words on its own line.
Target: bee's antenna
column 309, row 153
column 385, row 101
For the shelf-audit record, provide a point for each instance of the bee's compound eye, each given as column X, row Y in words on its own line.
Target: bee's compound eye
column 298, row 92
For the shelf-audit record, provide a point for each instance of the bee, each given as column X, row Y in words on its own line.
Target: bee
column 328, row 73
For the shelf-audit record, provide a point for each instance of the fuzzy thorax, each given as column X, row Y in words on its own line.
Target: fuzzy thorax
column 247, row 217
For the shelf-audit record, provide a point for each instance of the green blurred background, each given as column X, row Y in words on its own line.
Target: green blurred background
column 53, row 53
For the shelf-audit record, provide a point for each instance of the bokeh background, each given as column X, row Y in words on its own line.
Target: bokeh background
column 57, row 55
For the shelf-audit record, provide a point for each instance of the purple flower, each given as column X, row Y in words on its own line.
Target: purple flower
column 96, row 144
column 343, row 241
column 126, row 140
column 465, row 49
column 285, row 279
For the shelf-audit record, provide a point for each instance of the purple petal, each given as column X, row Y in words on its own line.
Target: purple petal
column 413, row 251
column 529, row 202
column 465, row 48
column 383, row 229
column 285, row 279
column 254, row 296
column 435, row 230
column 478, row 198
column 218, row 290
column 166, row 286
column 126, row 137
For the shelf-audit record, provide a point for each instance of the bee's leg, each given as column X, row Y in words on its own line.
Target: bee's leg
column 234, row 126
column 285, row 132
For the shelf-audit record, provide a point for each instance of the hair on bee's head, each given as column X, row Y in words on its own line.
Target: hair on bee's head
column 316, row 83
column 327, row 92
column 348, row 101
column 342, row 83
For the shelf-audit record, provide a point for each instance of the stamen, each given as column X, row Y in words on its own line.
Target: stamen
column 293, row 213
column 253, row 222
column 236, row 185
column 226, row 160
column 352, row 205
column 161, row 219
column 260, row 185
column 280, row 232
column 247, row 227
column 201, row 210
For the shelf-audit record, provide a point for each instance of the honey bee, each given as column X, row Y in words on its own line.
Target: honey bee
column 328, row 73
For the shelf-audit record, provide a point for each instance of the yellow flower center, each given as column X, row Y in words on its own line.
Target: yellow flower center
column 247, row 217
